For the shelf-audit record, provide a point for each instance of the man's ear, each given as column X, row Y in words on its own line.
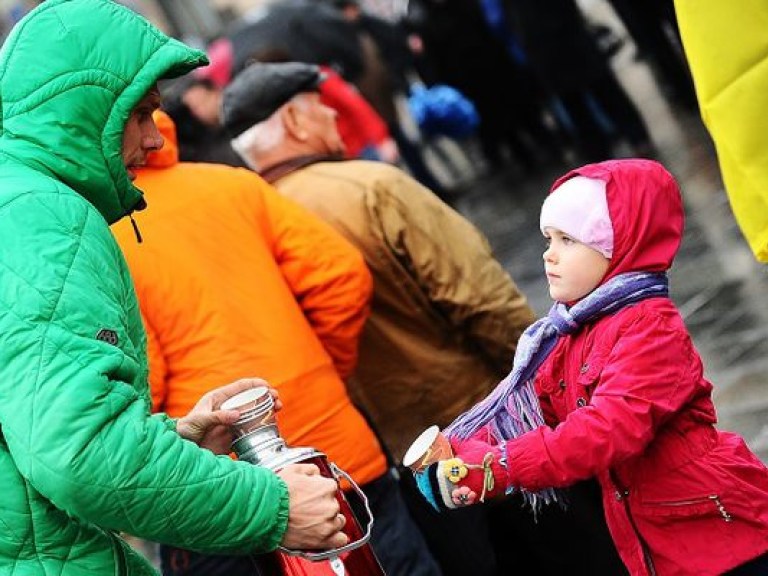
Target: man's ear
column 293, row 120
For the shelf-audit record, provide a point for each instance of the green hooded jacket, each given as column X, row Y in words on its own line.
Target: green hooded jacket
column 81, row 458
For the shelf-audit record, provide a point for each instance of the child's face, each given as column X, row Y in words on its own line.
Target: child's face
column 573, row 269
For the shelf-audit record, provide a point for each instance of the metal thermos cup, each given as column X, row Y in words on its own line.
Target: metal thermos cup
column 258, row 441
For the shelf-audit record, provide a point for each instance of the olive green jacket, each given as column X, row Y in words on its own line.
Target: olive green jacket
column 445, row 316
column 81, row 459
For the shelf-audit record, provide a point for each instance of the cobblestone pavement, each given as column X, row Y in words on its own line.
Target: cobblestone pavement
column 719, row 287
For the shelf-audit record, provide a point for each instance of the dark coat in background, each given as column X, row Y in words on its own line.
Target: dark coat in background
column 556, row 42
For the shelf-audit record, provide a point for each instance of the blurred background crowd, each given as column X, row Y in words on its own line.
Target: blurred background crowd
column 537, row 76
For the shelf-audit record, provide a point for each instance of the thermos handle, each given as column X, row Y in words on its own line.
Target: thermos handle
column 331, row 554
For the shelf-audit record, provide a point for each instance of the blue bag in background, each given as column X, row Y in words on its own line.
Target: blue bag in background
column 442, row 111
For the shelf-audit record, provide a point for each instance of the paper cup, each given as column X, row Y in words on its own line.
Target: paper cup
column 256, row 407
column 431, row 446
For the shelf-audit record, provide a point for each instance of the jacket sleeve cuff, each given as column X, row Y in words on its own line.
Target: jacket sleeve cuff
column 530, row 466
column 168, row 422
column 281, row 518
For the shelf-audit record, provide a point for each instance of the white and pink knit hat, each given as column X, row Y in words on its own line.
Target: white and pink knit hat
column 579, row 208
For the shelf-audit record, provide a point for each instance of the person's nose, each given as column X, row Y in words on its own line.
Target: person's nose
column 549, row 254
column 152, row 139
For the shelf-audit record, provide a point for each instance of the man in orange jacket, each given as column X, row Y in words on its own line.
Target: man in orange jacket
column 234, row 279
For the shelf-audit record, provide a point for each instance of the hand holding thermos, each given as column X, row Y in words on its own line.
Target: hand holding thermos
column 315, row 521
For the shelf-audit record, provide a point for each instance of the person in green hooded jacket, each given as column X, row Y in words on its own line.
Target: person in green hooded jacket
column 81, row 458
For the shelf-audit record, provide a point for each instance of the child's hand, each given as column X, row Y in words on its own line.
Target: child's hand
column 443, row 483
column 476, row 473
column 483, row 474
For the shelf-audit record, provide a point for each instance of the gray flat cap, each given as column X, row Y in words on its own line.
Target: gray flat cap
column 261, row 89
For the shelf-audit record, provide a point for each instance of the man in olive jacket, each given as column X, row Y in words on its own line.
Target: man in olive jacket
column 81, row 458
column 445, row 316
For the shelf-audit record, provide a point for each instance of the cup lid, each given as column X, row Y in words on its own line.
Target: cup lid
column 420, row 445
column 243, row 398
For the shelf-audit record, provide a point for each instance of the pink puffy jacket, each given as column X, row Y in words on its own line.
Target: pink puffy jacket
column 626, row 402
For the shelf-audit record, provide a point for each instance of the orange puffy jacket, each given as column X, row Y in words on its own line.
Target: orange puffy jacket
column 234, row 281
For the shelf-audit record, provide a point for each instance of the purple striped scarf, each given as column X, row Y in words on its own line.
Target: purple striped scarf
column 513, row 409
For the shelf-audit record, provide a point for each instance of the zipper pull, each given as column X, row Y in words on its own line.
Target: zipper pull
column 723, row 512
column 135, row 228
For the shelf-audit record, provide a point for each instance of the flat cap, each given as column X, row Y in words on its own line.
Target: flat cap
column 261, row 89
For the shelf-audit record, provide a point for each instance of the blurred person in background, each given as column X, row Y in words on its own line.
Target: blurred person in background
column 653, row 28
column 445, row 316
column 364, row 132
column 462, row 50
column 574, row 70
column 387, row 60
column 194, row 102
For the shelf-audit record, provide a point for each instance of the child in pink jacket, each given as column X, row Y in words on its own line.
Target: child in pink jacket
column 610, row 386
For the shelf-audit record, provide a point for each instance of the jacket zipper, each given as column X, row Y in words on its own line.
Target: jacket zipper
column 714, row 498
column 121, row 562
column 621, row 496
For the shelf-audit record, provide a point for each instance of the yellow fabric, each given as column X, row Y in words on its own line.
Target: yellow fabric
column 233, row 281
column 727, row 48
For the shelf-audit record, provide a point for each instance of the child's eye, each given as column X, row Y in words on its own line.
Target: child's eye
column 567, row 240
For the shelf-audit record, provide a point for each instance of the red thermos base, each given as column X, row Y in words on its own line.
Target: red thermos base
column 358, row 562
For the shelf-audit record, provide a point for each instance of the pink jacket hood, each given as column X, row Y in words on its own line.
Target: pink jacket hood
column 646, row 211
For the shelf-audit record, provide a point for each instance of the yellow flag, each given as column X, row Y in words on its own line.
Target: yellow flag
column 726, row 42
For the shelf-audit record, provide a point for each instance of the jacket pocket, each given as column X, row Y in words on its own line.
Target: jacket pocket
column 697, row 534
column 704, row 505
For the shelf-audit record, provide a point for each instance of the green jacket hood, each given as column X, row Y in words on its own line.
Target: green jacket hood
column 65, row 113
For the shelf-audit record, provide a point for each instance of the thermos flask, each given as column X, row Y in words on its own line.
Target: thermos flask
column 258, row 441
